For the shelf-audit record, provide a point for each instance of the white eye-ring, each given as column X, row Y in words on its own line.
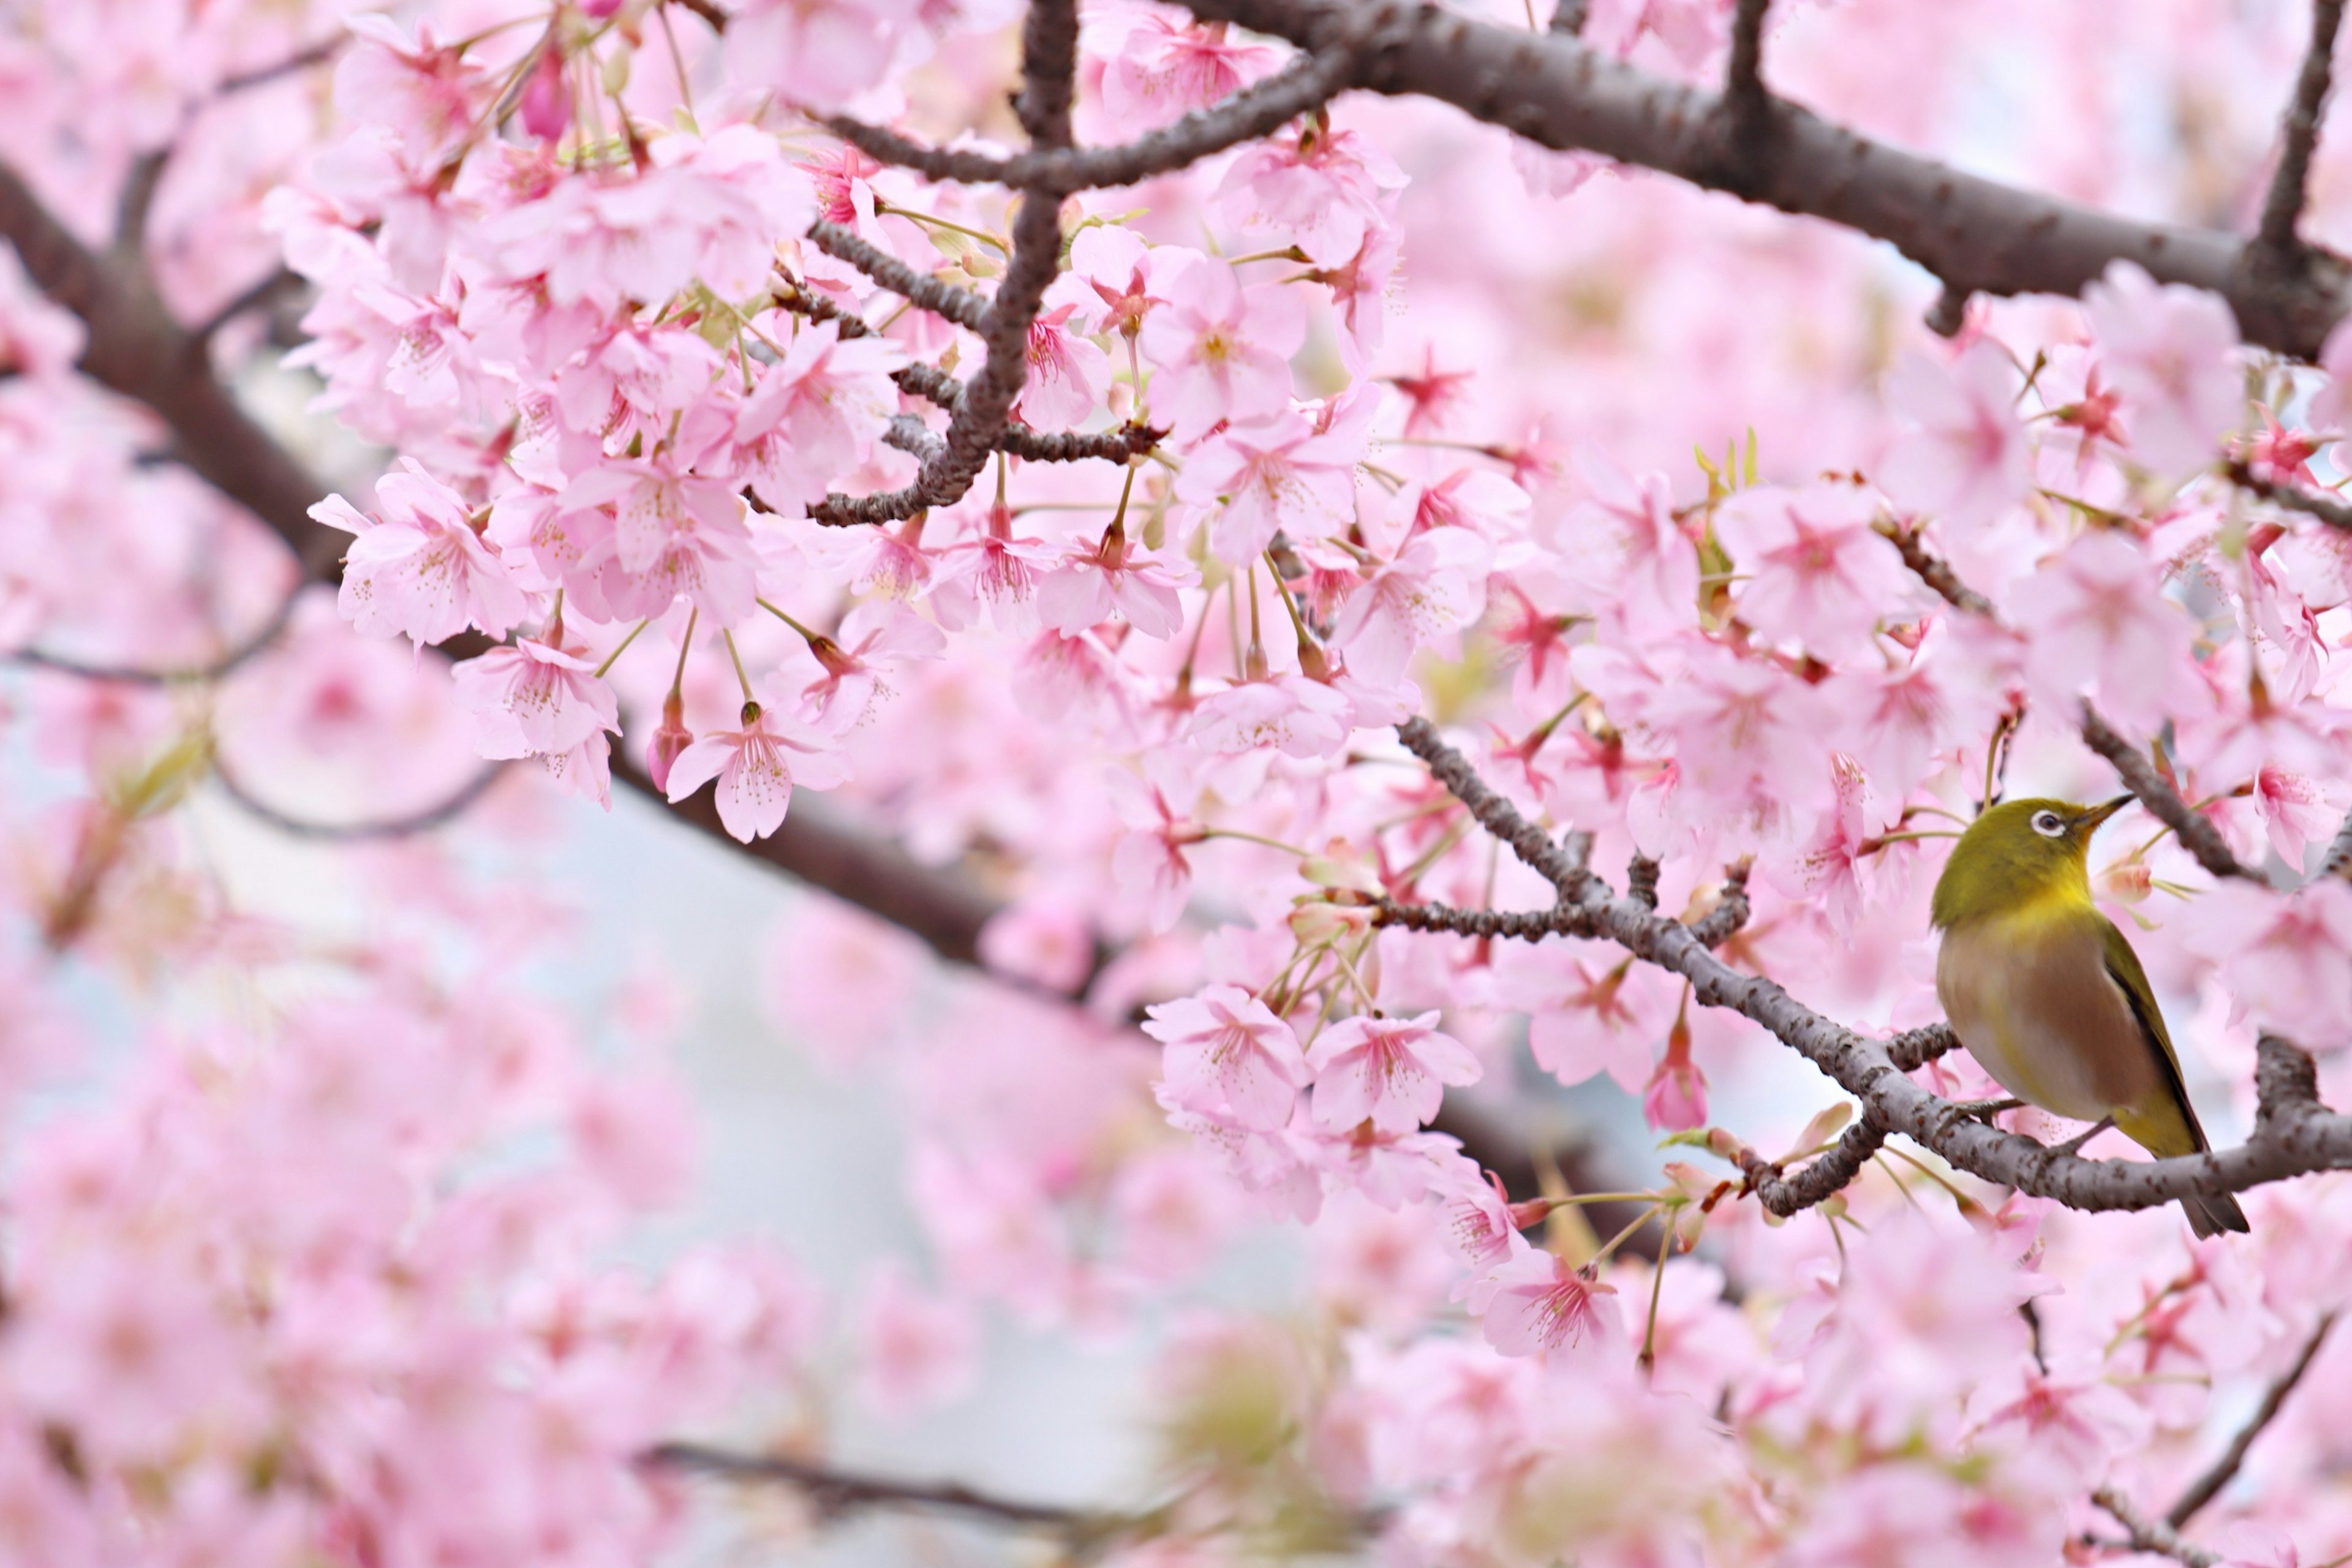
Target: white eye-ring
column 2050, row 824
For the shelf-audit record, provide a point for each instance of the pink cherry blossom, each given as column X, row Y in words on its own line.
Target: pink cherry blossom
column 1390, row 1072
column 1068, row 376
column 1436, row 584
column 915, row 1350
column 1090, row 583
column 2098, row 625
column 1160, row 69
column 2170, row 353
column 1536, row 1305
column 2284, row 958
column 815, row 414
column 1323, row 191
column 1218, row 349
column 755, row 768
column 1228, row 1056
column 1817, row 575
column 534, row 699
column 1970, row 458
column 1273, row 474
column 421, row 570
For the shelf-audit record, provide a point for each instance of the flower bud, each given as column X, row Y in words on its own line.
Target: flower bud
column 668, row 741
column 545, row 108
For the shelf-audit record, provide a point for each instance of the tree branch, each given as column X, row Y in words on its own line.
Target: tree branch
column 2208, row 1487
column 2322, row 504
column 134, row 347
column 2196, row 833
column 1827, row 1174
column 1049, row 68
column 1978, row 236
column 1534, row 846
column 835, row 1493
column 408, row 825
column 2298, row 135
column 263, row 637
column 2293, row 1133
column 1255, row 110
column 961, row 306
column 2153, row 1534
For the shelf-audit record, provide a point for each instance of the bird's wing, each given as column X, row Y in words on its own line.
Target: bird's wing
column 2123, row 969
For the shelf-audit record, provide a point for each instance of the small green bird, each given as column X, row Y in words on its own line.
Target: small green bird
column 2046, row 994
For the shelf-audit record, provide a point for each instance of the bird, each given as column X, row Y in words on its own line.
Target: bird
column 2048, row 996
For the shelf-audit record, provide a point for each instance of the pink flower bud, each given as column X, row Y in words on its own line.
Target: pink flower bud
column 672, row 738
column 1676, row 1099
column 546, row 104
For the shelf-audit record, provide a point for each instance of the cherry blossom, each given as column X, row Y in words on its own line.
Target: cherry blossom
column 755, row 767
column 1227, row 1055
column 1390, row 1072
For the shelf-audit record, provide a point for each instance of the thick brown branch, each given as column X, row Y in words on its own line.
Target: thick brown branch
column 2299, row 134
column 1976, row 235
column 2208, row 1487
column 136, row 348
column 2196, row 834
column 2324, row 505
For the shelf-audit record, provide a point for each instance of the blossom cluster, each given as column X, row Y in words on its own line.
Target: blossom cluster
column 1410, row 412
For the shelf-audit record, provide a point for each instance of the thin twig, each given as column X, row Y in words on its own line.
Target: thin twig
column 406, row 826
column 2153, row 1534
column 1258, row 110
column 1828, row 1173
column 838, row 1491
column 1496, row 816
column 260, row 296
column 2299, row 134
column 2196, row 833
column 2324, row 505
column 2208, row 1487
column 961, row 306
column 260, row 641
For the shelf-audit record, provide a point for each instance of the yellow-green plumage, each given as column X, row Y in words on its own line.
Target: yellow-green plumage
column 2045, row 992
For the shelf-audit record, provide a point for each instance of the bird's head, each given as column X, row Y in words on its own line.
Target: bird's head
column 2017, row 853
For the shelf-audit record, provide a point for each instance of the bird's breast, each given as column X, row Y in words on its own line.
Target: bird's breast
column 2030, row 996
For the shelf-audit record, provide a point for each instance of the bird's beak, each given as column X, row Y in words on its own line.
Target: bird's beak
column 2089, row 821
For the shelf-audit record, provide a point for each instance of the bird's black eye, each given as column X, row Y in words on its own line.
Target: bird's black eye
column 2049, row 824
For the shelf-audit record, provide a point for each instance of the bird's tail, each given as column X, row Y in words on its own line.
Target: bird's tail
column 2213, row 1215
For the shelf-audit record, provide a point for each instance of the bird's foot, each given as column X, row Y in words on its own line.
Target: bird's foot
column 2074, row 1145
column 1982, row 1110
